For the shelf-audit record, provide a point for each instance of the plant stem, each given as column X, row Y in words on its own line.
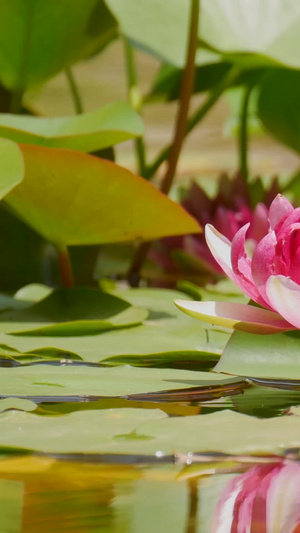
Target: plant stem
column 243, row 133
column 186, row 90
column 65, row 267
column 74, row 91
column 197, row 116
column 135, row 100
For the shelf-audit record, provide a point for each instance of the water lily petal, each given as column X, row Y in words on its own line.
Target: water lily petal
column 263, row 262
column 220, row 248
column 259, row 225
column 284, row 296
column 236, row 316
column 241, row 266
column 279, row 208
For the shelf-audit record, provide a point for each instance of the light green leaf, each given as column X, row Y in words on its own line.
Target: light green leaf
column 39, row 39
column 66, row 381
column 160, row 27
column 252, row 33
column 76, row 311
column 145, row 432
column 11, row 168
column 279, row 104
column 73, row 198
column 262, row 356
column 34, row 292
column 109, row 125
column 166, row 336
column 19, row 404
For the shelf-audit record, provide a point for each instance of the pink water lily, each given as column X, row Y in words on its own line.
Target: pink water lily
column 266, row 499
column 270, row 275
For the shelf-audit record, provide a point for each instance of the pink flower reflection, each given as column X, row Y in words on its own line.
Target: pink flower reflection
column 265, row 499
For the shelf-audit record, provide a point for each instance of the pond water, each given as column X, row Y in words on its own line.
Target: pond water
column 178, row 493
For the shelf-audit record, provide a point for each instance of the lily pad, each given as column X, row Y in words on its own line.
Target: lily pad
column 109, row 125
column 66, row 381
column 263, row 356
column 19, row 404
column 144, row 432
column 165, row 337
column 72, row 198
column 76, row 311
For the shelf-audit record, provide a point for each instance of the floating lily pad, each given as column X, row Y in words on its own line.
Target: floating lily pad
column 144, row 432
column 263, row 356
column 76, row 311
column 166, row 336
column 66, row 381
column 109, row 125
column 19, row 404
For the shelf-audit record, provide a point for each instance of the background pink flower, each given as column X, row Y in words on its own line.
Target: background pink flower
column 189, row 256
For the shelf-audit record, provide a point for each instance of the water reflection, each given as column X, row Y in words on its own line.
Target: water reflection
column 41, row 494
column 265, row 499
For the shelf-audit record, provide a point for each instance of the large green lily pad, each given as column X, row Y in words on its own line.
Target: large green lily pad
column 72, row 198
column 263, row 356
column 67, row 381
column 76, row 311
column 109, row 125
column 148, row 432
column 166, row 336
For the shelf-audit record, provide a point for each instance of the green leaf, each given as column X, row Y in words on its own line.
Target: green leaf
column 97, row 196
column 109, row 125
column 251, row 33
column 73, row 381
column 34, row 292
column 76, row 311
column 160, row 27
column 165, row 337
column 263, row 356
column 148, row 432
column 11, row 168
column 166, row 85
column 278, row 106
column 31, row 51
column 11, row 505
column 19, row 404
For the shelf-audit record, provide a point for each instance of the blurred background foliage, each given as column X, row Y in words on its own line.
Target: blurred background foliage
column 62, row 60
